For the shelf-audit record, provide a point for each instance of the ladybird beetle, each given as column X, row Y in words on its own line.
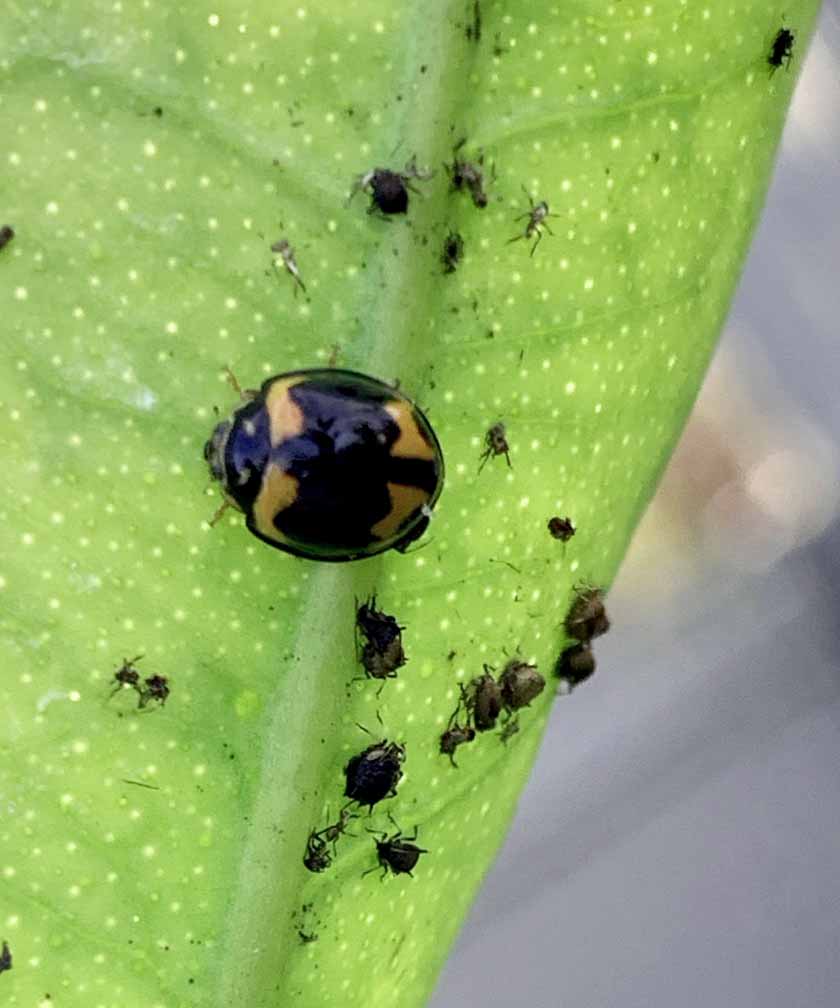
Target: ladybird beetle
column 328, row 464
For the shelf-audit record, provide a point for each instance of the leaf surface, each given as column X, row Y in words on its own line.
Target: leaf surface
column 151, row 155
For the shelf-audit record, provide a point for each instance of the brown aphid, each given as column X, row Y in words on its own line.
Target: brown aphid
column 482, row 699
column 509, row 729
column 6, row 235
column 520, row 683
column 453, row 251
column 127, row 675
column 452, row 738
column 536, row 217
column 467, row 175
column 574, row 666
column 495, row 441
column 382, row 653
column 473, row 30
column 287, row 255
column 456, row 734
column 587, row 618
column 155, row 687
column 316, row 857
column 561, row 528
column 330, row 834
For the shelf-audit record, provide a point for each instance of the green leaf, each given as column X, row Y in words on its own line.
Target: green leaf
column 151, row 156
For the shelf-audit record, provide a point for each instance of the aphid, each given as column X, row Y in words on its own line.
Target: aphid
column 382, row 653
column 5, row 958
column 155, row 687
column 316, row 857
column 453, row 251
column 587, row 618
column 397, row 854
column 520, row 683
column 456, row 734
column 495, row 441
column 286, row 253
column 561, row 528
column 127, row 675
column 328, row 464
column 467, row 175
column 389, row 189
column 574, row 666
column 536, row 218
column 482, row 699
column 781, row 51
column 330, row 834
column 473, row 30
column 509, row 729
column 307, row 937
column 6, row 235
column 374, row 773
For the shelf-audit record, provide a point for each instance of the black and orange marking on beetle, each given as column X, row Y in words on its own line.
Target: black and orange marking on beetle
column 328, row 464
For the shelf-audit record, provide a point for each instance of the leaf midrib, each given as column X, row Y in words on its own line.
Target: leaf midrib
column 393, row 292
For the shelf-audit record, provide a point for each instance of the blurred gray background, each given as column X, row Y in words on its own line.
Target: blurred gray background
column 679, row 841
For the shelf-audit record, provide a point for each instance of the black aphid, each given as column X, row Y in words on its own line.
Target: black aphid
column 5, row 958
column 382, row 652
column 574, row 666
column 127, row 675
column 389, row 189
column 561, row 528
column 397, row 854
column 154, row 687
column 453, row 251
column 6, row 235
column 374, row 773
column 781, row 51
